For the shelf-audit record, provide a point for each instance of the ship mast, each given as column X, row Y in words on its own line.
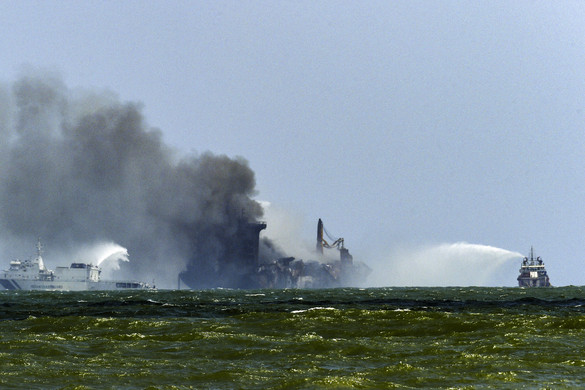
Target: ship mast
column 39, row 258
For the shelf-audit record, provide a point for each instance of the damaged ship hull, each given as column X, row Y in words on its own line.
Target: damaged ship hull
column 292, row 273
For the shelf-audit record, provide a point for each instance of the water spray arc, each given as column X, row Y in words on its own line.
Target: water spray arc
column 449, row 264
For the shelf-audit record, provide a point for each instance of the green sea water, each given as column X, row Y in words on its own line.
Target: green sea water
column 465, row 338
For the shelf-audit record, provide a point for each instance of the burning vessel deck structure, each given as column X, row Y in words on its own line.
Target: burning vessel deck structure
column 241, row 267
column 33, row 275
column 533, row 273
column 322, row 273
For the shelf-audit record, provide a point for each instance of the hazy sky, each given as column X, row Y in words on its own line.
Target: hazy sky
column 404, row 125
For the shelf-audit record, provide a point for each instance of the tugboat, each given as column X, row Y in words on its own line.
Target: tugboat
column 532, row 272
column 33, row 275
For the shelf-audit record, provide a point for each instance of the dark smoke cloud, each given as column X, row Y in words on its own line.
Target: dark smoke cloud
column 81, row 167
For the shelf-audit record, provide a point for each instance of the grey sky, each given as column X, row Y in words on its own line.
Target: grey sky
column 400, row 123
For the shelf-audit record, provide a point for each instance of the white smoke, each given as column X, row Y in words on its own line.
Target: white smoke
column 285, row 229
column 455, row 264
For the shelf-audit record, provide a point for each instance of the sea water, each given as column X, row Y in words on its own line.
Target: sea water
column 379, row 338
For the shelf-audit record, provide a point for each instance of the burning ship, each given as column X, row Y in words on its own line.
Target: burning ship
column 532, row 272
column 241, row 267
column 33, row 275
column 292, row 273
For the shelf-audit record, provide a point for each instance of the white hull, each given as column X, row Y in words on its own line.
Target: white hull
column 45, row 285
column 32, row 275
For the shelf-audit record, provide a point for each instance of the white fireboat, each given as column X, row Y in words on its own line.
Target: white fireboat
column 33, row 275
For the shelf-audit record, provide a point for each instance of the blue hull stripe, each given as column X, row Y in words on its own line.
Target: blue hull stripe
column 9, row 285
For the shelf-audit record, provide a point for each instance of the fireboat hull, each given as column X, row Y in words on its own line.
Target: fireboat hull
column 533, row 282
column 47, row 285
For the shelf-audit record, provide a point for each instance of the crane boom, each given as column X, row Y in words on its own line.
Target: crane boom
column 322, row 243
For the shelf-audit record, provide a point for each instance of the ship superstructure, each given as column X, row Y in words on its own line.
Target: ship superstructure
column 324, row 272
column 33, row 275
column 532, row 272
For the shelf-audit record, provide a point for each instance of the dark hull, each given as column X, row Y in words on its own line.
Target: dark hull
column 527, row 281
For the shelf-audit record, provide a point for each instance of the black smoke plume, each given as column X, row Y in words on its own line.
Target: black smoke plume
column 82, row 167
